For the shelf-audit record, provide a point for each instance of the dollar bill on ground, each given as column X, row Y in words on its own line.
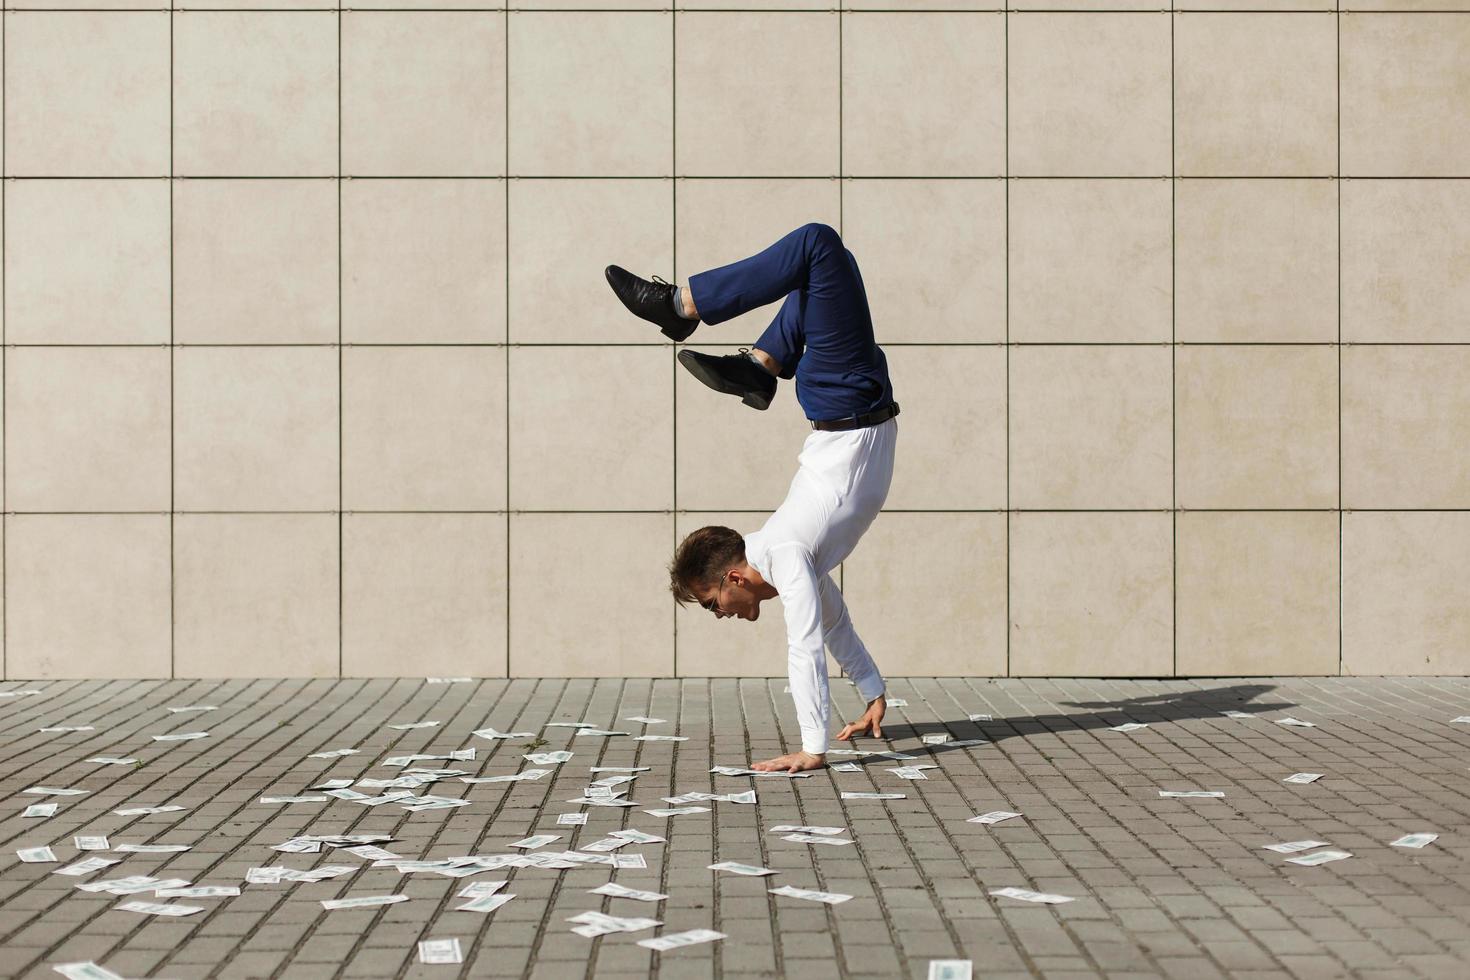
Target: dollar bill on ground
column 333, row 753
column 334, row 784
column 54, row 791
column 37, row 855
column 16, row 694
column 614, row 780
column 661, row 738
column 628, row 861
column 787, row 828
column 108, row 760
column 1296, row 723
column 637, row 837
column 569, row 724
column 193, row 707
column 874, row 796
column 1321, row 857
column 646, row 720
column 481, row 889
column 87, row 866
column 1292, row 847
column 199, row 891
column 89, row 843
column 1027, row 895
column 491, row 733
column 548, row 758
column 677, row 811
column 264, row 876
column 152, row 848
column 68, row 728
column 571, row 819
column 180, row 737
column 908, row 772
column 736, row 867
column 1415, row 840
column 414, row 724
column 937, row 738
column 535, row 841
column 1236, row 714
column 599, row 731
column 895, row 756
column 298, row 845
column 831, row 898
column 133, row 884
column 142, row 810
column 371, row 852
column 675, row 940
column 154, row 908
column 980, row 717
column 1463, row 719
column 897, row 703
column 619, row 768
column 485, row 903
column 1131, row 726
column 816, row 839
column 440, row 951
column 85, row 971
column 40, row 810
column 994, row 816
column 366, row 901
column 684, row 798
column 616, row 890
column 604, row 845
column 845, row 767
column 1303, row 777
column 293, row 799
column 950, row 970
column 594, row 924
column 746, row 797
column 1190, row 794
column 965, row 743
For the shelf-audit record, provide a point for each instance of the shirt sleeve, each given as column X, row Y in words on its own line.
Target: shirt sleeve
column 795, row 579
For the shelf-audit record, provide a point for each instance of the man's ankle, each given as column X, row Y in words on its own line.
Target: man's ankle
column 772, row 366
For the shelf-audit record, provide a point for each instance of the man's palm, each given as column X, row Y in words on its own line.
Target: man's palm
column 870, row 723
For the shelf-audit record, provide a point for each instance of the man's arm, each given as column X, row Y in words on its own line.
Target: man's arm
column 795, row 579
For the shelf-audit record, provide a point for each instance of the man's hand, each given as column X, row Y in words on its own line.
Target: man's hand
column 795, row 762
column 870, row 723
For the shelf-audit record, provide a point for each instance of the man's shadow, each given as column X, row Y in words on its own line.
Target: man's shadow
column 1150, row 709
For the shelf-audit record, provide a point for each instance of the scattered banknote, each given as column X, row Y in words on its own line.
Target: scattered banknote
column 440, row 951
column 107, row 760
column 427, row 802
column 1296, row 723
column 1303, row 777
column 874, row 796
column 85, row 971
column 677, row 811
column 980, row 717
column 619, row 769
column 637, row 837
column 415, row 724
column 896, row 756
column 845, row 767
column 1131, row 726
column 747, row 797
column 661, row 738
column 831, row 898
column 690, row 798
column 293, row 799
column 645, row 720
column 1236, row 714
column 53, row 791
column 938, row 738
column 964, row 743
column 298, row 845
column 675, row 940
column 448, row 680
column 37, row 855
column 1463, row 719
column 897, row 703
column 908, row 772
column 194, row 707
column 950, row 970
column 264, row 876
column 599, row 731
column 1415, row 840
column 199, row 891
column 742, row 869
column 848, row 752
column 571, row 819
column 140, row 810
column 68, row 728
column 1292, row 847
column 333, row 753
column 40, row 810
column 787, row 828
column 90, row 843
column 619, row 891
column 347, row 794
column 366, row 901
column 628, row 861
column 594, row 924
column 815, row 839
column 605, row 845
column 481, row 889
column 334, row 784
column 1193, row 794
column 1026, row 895
column 485, row 903
column 370, row 852
column 535, row 841
column 16, row 694
column 87, row 866
column 514, row 777
column 548, row 758
column 133, row 884
column 1321, row 857
column 491, row 733
column 152, row 848
column 994, row 816
column 153, row 908
column 180, row 737
column 600, row 801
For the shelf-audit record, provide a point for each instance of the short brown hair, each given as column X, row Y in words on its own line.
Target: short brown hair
column 701, row 558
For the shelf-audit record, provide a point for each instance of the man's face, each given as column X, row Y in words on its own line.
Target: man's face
column 731, row 596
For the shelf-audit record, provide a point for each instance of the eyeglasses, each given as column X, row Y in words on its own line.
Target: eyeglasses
column 714, row 605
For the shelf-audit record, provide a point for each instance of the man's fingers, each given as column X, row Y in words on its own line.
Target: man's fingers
column 877, row 732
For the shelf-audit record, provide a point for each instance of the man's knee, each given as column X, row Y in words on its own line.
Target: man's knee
column 822, row 234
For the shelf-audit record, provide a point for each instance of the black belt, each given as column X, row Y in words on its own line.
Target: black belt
column 858, row 421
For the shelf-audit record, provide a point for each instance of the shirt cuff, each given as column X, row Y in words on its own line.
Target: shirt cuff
column 870, row 687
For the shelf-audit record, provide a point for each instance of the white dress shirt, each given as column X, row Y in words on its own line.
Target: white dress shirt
column 839, row 487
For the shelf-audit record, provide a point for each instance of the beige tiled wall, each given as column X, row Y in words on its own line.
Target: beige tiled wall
column 309, row 367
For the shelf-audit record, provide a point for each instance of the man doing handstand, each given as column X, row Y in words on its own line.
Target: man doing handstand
column 822, row 337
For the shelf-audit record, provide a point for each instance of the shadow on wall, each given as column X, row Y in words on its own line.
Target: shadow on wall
column 1169, row 706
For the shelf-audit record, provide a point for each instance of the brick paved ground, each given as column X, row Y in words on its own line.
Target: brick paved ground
column 1165, row 887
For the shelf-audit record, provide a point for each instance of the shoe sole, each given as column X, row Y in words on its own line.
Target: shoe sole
column 755, row 399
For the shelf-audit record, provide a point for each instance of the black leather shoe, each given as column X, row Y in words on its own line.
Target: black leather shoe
column 732, row 374
column 653, row 301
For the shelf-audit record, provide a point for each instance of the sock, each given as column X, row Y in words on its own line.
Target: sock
column 678, row 304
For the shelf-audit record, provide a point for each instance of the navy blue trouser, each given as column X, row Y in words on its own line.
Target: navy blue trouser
column 823, row 334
